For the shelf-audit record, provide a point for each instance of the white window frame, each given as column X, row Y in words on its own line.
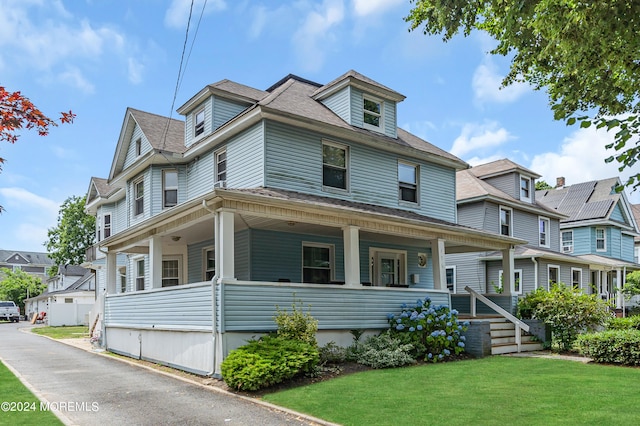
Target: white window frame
column 138, row 147
column 415, row 186
column 523, row 195
column 221, row 175
column 332, row 262
column 510, row 224
column 566, row 248
column 122, row 276
column 379, row 115
column 579, row 270
column 376, row 253
column 205, row 266
column 547, row 221
column 603, row 239
column 517, row 279
column 178, row 277
column 136, row 198
column 198, row 126
column 454, row 288
column 549, row 268
column 139, row 278
column 166, row 188
column 346, row 168
column 106, row 227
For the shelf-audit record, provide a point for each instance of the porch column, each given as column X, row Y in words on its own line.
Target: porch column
column 111, row 273
column 439, row 264
column 155, row 261
column 619, row 285
column 507, row 271
column 225, row 244
column 351, row 236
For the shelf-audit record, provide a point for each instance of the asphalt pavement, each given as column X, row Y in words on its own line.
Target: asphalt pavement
column 86, row 388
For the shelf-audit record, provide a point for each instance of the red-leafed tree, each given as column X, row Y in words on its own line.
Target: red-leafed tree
column 18, row 112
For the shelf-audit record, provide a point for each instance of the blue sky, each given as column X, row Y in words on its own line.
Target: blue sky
column 98, row 57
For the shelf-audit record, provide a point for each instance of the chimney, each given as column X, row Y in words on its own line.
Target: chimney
column 560, row 182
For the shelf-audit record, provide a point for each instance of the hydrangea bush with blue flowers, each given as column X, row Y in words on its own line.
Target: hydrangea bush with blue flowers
column 433, row 330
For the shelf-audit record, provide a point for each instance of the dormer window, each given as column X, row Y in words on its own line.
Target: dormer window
column 198, row 124
column 525, row 188
column 373, row 113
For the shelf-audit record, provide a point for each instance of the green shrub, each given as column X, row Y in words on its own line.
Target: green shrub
column 296, row 325
column 382, row 351
column 612, row 346
column 268, row 361
column 332, row 354
column 567, row 311
column 434, row 331
column 632, row 322
column 527, row 304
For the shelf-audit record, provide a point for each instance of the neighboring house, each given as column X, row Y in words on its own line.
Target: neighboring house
column 34, row 263
column 499, row 197
column 69, row 297
column 635, row 208
column 599, row 228
column 301, row 192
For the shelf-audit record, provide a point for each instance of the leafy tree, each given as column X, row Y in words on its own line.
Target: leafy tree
column 18, row 285
column 585, row 53
column 632, row 284
column 541, row 185
column 74, row 234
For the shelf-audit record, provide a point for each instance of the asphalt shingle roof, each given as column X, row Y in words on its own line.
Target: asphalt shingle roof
column 163, row 133
column 500, row 167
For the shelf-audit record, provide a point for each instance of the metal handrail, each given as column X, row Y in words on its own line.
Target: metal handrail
column 517, row 322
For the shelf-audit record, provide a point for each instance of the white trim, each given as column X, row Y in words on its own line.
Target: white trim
column 547, row 233
column 332, row 250
column 510, row 210
column 521, row 190
column 204, row 261
column 136, row 261
column 166, row 188
column 347, row 166
column 517, row 279
column 216, row 165
column 135, row 184
column 416, row 171
column 549, row 267
column 576, row 270
column 380, row 115
column 196, row 123
column 569, row 248
column 455, row 279
column 169, row 258
column 604, row 239
column 376, row 254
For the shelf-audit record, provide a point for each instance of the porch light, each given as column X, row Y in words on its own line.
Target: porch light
column 175, row 238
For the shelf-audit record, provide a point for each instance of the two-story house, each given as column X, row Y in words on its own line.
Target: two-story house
column 33, row 263
column 263, row 198
column 599, row 227
column 500, row 197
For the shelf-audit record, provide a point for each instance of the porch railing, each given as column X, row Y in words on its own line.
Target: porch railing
column 517, row 322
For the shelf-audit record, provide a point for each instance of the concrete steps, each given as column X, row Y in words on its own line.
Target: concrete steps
column 503, row 338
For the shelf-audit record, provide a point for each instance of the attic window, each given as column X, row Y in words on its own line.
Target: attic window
column 199, row 123
column 372, row 110
column 138, row 147
column 525, row 189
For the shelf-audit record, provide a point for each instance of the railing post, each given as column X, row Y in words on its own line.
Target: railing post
column 518, row 337
column 473, row 305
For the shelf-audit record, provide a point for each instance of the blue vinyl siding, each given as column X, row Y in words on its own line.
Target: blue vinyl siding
column 627, row 248
column 252, row 307
column 121, row 219
column 145, row 147
column 146, row 177
column 245, row 159
column 356, row 108
column 242, row 254
column 340, row 103
column 195, row 259
column 294, row 162
column 581, row 241
column 614, row 242
column 224, row 110
column 157, row 187
column 390, row 126
column 200, row 176
column 617, row 214
column 508, row 183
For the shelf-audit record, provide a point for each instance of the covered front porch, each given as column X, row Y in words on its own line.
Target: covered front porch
column 214, row 270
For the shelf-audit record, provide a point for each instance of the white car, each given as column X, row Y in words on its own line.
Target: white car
column 9, row 311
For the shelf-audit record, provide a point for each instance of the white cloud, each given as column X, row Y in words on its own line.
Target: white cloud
column 581, row 159
column 24, row 199
column 178, row 13
column 479, row 137
column 474, row 161
column 135, row 70
column 371, row 7
column 74, row 77
column 487, row 84
column 314, row 36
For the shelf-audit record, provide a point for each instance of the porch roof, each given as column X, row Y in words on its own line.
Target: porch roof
column 608, row 262
column 278, row 209
column 527, row 252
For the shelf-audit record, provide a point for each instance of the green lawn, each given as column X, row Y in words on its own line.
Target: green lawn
column 18, row 405
column 63, row 332
column 487, row 391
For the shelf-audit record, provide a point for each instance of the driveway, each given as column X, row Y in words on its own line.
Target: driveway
column 91, row 389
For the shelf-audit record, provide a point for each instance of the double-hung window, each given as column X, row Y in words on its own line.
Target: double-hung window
column 106, row 225
column 334, row 166
column 317, row 263
column 408, row 182
column 138, row 189
column 517, row 280
column 140, row 274
column 553, row 275
column 576, row 278
column 525, row 189
column 209, row 262
column 567, row 241
column 601, row 239
column 221, row 166
column 198, row 123
column 505, row 221
column 451, row 278
column 170, row 188
column 543, row 228
column 170, row 272
column 372, row 113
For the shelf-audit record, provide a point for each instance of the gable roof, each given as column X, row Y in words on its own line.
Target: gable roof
column 363, row 82
column 593, row 200
column 500, row 167
column 225, row 89
column 470, row 188
column 26, row 257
